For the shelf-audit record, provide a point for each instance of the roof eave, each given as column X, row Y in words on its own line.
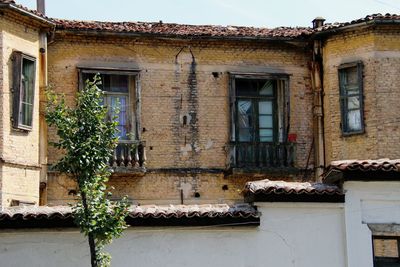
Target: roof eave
column 94, row 32
column 360, row 25
column 45, row 22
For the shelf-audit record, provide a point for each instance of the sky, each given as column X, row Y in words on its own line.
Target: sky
column 257, row 13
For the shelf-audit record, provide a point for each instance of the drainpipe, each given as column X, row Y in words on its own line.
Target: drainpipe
column 318, row 108
column 42, row 104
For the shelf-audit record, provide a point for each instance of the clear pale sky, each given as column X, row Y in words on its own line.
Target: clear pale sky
column 258, row 13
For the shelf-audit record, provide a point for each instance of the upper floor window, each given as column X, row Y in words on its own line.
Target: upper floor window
column 24, row 72
column 122, row 98
column 119, row 91
column 351, row 98
column 256, row 110
column 260, row 119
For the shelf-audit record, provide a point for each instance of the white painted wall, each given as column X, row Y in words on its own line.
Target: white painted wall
column 291, row 234
column 367, row 203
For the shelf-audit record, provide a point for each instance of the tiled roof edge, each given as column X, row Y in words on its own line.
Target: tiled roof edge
column 179, row 215
column 27, row 12
column 282, row 191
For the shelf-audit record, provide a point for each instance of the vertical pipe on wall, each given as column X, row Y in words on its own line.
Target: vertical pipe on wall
column 318, row 110
column 316, row 81
column 42, row 103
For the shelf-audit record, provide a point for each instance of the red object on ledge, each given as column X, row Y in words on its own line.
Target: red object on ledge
column 292, row 138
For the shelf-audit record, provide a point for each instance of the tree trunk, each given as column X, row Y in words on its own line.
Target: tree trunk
column 92, row 244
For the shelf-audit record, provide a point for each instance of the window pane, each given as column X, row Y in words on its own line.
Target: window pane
column 26, row 114
column 246, row 87
column 265, row 121
column 351, row 76
column 119, row 103
column 245, row 110
column 267, row 88
column 266, row 135
column 118, row 83
column 354, row 120
column 27, row 92
column 246, row 134
column 353, row 102
column 265, row 107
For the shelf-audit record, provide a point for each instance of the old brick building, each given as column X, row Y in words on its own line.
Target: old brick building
column 204, row 108
column 189, row 106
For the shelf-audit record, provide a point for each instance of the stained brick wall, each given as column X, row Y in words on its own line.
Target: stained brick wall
column 379, row 50
column 19, row 150
column 172, row 87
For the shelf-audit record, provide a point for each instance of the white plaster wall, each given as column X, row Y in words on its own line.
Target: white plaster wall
column 368, row 202
column 301, row 235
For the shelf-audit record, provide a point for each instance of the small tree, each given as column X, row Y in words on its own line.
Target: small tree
column 88, row 140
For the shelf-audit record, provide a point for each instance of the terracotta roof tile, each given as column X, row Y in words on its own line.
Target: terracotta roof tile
column 182, row 30
column 147, row 215
column 282, row 191
column 178, row 211
column 363, row 170
column 283, row 187
column 389, row 18
column 366, row 165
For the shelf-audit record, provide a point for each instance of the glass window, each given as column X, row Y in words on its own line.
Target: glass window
column 255, row 110
column 116, row 98
column 24, row 72
column 351, row 96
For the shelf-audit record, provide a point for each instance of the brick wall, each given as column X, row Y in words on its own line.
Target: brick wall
column 379, row 51
column 19, row 150
column 171, row 89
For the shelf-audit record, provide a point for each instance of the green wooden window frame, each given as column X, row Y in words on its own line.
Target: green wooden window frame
column 24, row 76
column 256, row 100
column 351, row 98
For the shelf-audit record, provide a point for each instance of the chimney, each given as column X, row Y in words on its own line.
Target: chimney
column 40, row 7
column 317, row 22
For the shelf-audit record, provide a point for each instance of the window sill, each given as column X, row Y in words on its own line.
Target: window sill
column 21, row 128
column 348, row 134
column 253, row 171
column 123, row 171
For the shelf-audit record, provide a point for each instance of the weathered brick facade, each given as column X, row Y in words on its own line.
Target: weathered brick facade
column 182, row 103
column 192, row 157
column 19, row 150
column 378, row 49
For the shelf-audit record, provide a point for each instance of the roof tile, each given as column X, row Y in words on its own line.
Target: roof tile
column 366, row 165
column 374, row 17
column 182, row 30
column 283, row 187
column 146, row 211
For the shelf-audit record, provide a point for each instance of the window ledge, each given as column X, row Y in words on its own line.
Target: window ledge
column 348, row 134
column 122, row 171
column 272, row 171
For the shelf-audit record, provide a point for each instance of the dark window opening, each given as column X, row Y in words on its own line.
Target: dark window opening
column 260, row 117
column 351, row 98
column 24, row 72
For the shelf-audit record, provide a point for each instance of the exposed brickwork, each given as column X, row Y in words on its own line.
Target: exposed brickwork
column 163, row 188
column 172, row 86
column 18, row 149
column 379, row 50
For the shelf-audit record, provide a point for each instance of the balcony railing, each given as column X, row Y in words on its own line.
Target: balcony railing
column 129, row 154
column 262, row 155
